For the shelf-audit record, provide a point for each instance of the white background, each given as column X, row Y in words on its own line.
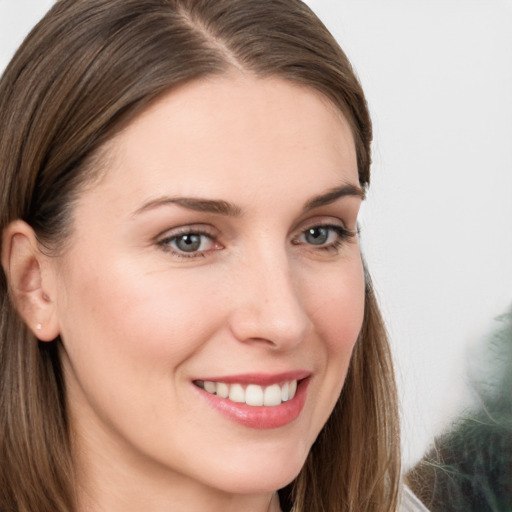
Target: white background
column 437, row 226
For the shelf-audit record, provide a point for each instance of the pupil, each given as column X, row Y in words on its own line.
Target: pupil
column 317, row 236
column 189, row 243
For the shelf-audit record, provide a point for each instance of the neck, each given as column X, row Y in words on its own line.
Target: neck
column 112, row 501
column 107, row 483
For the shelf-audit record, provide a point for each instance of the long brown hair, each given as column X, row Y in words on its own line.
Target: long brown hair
column 84, row 71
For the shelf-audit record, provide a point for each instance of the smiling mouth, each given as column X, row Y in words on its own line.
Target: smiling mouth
column 251, row 394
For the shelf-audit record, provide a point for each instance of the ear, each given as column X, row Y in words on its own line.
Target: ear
column 30, row 280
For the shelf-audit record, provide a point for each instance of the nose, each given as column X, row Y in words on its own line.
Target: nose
column 267, row 308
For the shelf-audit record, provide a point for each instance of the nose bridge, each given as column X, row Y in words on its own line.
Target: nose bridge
column 269, row 308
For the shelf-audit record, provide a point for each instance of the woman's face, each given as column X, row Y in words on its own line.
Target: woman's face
column 215, row 255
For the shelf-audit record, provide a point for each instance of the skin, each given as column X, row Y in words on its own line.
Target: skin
column 139, row 321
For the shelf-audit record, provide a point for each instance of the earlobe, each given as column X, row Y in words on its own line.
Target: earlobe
column 29, row 285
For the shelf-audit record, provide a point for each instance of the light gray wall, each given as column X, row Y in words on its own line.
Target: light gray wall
column 16, row 19
column 437, row 227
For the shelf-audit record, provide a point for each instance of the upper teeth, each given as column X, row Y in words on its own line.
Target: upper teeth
column 251, row 394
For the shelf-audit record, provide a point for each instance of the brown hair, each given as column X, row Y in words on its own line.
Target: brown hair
column 84, row 71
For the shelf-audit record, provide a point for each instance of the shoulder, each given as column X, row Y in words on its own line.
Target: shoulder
column 409, row 502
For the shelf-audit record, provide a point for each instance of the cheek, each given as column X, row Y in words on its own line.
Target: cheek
column 117, row 315
column 335, row 303
column 128, row 339
column 337, row 308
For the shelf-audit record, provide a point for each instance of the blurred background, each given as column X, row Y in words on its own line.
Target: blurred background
column 437, row 226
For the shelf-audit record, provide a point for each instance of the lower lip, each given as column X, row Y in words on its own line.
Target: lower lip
column 260, row 417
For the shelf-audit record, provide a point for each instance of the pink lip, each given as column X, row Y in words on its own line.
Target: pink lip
column 264, row 417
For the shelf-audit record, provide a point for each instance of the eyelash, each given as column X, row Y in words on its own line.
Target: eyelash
column 342, row 235
column 165, row 243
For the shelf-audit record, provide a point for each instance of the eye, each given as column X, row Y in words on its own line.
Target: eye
column 326, row 237
column 189, row 243
column 319, row 235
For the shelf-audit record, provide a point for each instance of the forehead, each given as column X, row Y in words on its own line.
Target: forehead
column 232, row 131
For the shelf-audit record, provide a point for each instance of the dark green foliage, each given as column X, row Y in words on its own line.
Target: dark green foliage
column 470, row 467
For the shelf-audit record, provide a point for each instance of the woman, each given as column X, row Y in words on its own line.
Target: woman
column 186, row 322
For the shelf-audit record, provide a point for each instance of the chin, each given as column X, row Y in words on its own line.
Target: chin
column 261, row 483
column 257, row 476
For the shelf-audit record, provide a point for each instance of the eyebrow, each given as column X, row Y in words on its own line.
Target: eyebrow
column 194, row 203
column 334, row 194
column 221, row 207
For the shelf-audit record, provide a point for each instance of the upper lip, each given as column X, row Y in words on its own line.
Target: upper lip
column 262, row 379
